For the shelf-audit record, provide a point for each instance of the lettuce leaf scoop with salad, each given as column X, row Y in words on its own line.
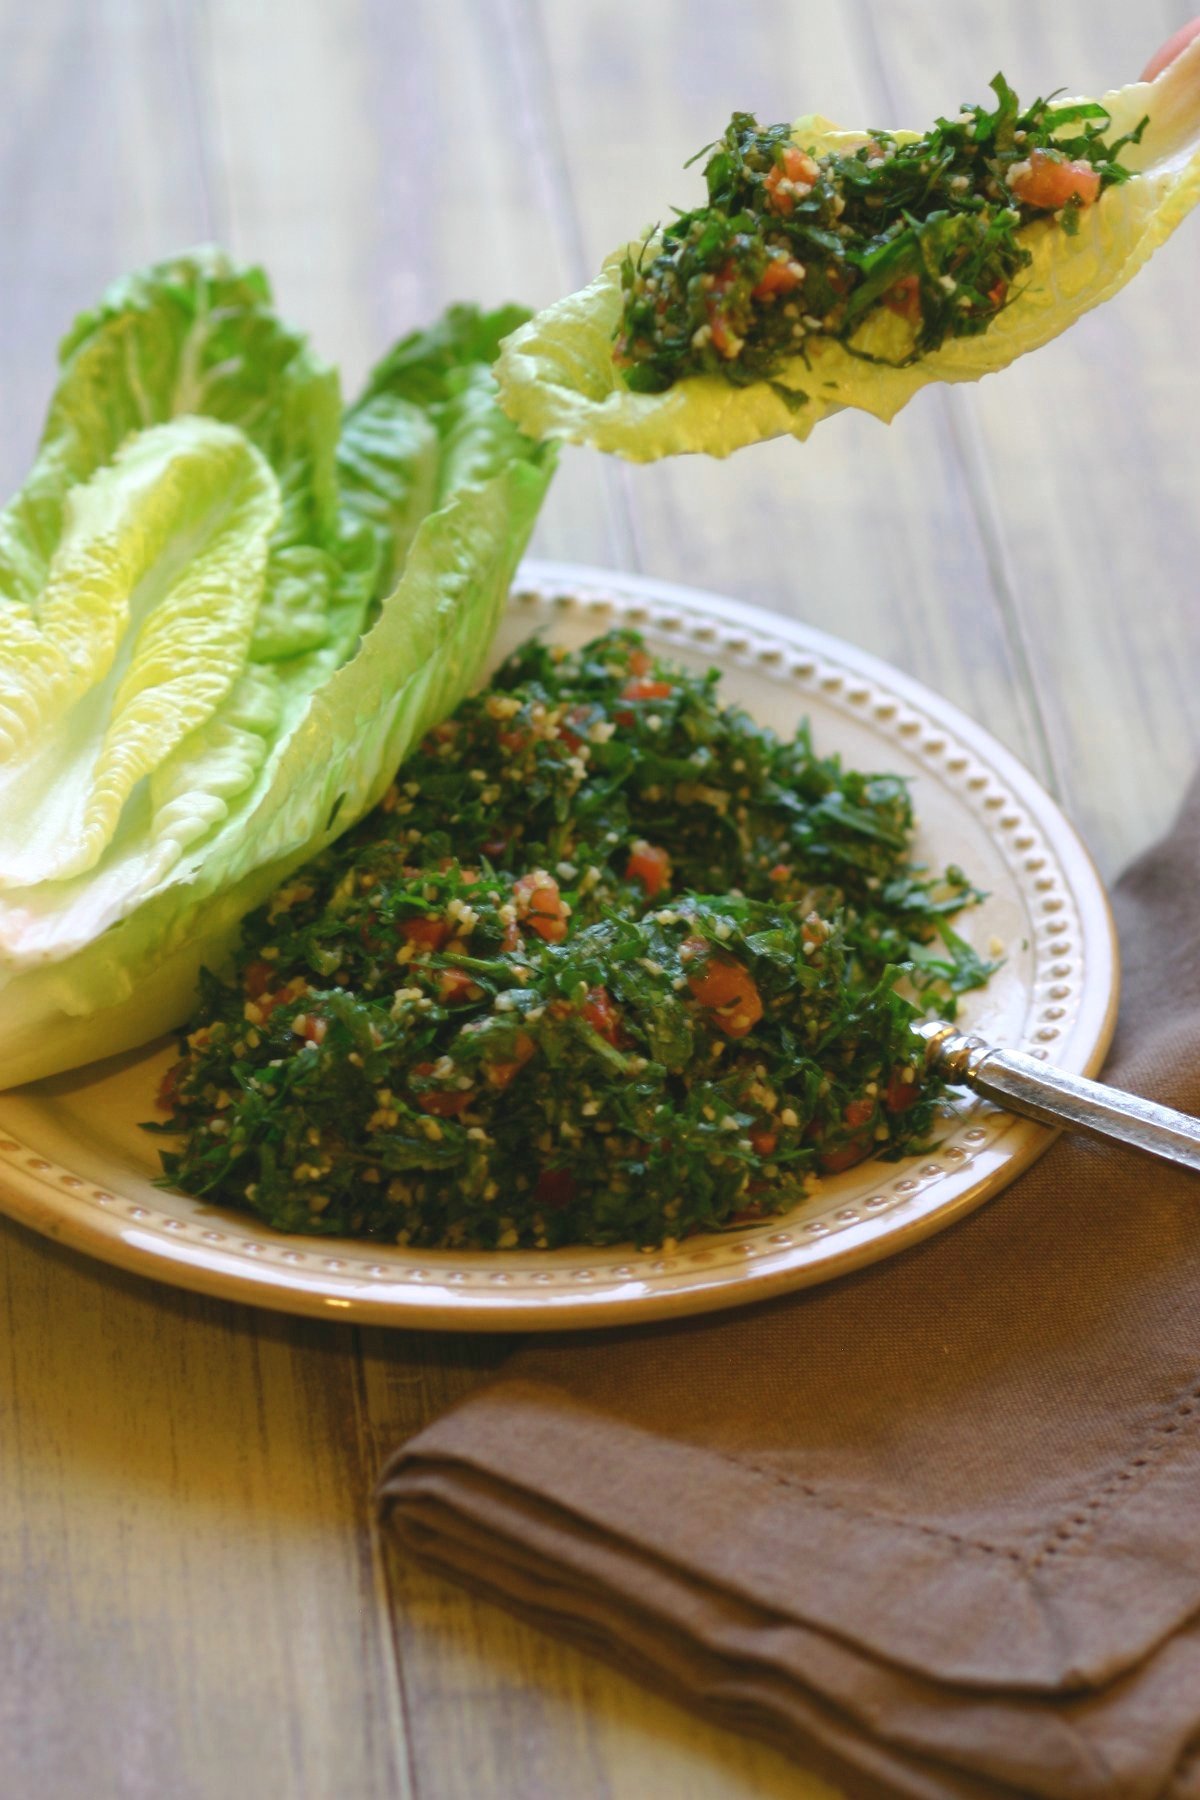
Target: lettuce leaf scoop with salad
column 228, row 606
column 831, row 268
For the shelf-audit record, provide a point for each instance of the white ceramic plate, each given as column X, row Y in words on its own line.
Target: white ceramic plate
column 74, row 1164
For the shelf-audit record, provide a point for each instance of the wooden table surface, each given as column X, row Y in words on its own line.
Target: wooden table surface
column 194, row 1602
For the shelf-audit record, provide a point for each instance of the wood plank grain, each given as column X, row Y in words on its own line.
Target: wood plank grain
column 98, row 171
column 383, row 162
column 188, row 1601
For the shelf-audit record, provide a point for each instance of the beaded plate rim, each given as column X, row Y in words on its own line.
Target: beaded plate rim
column 1070, row 1012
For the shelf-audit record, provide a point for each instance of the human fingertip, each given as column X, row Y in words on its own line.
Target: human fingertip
column 1173, row 47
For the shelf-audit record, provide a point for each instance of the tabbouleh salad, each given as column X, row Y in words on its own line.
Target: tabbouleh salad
column 795, row 245
column 609, row 962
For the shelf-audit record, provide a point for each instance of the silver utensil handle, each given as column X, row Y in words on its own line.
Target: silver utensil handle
column 1022, row 1084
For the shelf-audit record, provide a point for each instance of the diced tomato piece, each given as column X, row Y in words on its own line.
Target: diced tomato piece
column 854, row 1150
column 427, row 934
column 997, row 292
column 781, row 276
column 542, row 907
column 729, row 990
column 857, row 1148
column 900, row 1094
column 576, row 716
column 1046, row 182
column 764, row 1142
column 904, row 297
column 310, row 1026
column 644, row 689
column 794, row 169
column 446, row 1104
column 720, row 982
column 545, row 915
column 513, row 741
column 445, row 733
column 495, row 847
column 512, row 937
column 780, row 872
column 441, row 1103
column 602, row 1014
column 266, row 1003
column 554, row 1189
column 168, row 1087
column 258, row 978
column 650, row 865
column 724, row 339
column 640, row 662
column 523, row 1050
column 455, row 985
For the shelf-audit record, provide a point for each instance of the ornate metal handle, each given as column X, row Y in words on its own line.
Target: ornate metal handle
column 1023, row 1085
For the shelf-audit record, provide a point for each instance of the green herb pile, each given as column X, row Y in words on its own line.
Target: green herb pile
column 794, row 246
column 610, row 962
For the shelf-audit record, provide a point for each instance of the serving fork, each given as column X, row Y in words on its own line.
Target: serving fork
column 1020, row 1083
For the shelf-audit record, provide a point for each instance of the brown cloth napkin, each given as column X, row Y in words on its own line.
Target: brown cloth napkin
column 934, row 1528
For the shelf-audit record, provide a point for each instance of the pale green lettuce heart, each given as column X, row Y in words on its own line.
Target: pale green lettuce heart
column 226, row 611
column 557, row 378
column 142, row 628
column 138, row 979
column 183, row 521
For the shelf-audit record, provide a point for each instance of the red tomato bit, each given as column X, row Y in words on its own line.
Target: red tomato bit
column 440, row 1103
column 555, row 1188
column 455, row 985
column 500, row 1074
column 792, row 179
column 258, row 978
column 904, row 298
column 541, row 907
column 729, row 991
column 1046, row 181
column 168, row 1087
column 782, row 275
column 602, row 1014
column 649, row 865
column 902, row 1090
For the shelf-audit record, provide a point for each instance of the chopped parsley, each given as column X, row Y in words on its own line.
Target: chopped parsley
column 796, row 245
column 609, row 962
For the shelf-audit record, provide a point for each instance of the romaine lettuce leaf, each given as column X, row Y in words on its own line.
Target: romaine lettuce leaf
column 557, row 377
column 226, row 611
column 141, row 629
